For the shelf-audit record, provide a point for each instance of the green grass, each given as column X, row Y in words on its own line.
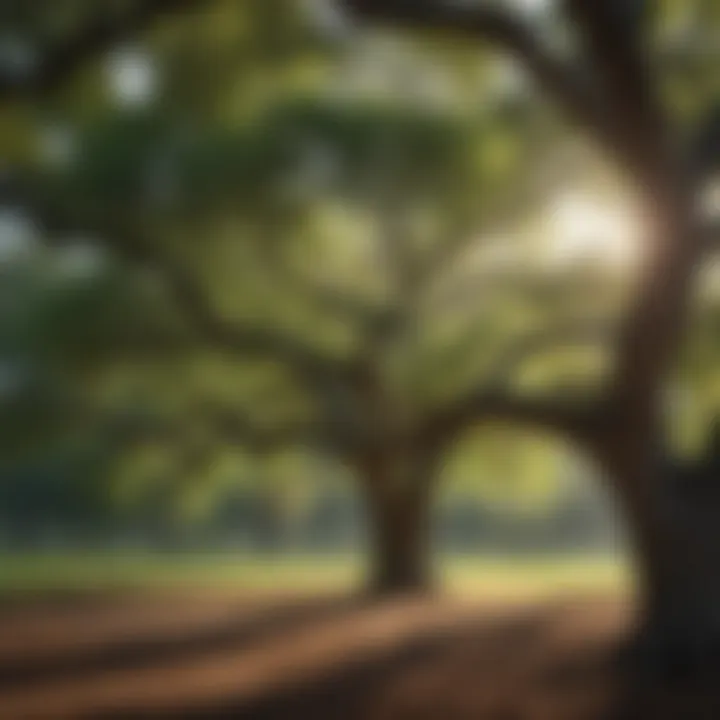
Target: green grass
column 472, row 575
column 503, row 576
column 106, row 569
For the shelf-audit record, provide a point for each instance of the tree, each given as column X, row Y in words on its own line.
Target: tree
column 358, row 360
column 603, row 83
column 366, row 366
column 608, row 85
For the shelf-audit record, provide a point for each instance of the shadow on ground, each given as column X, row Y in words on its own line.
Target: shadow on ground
column 215, row 656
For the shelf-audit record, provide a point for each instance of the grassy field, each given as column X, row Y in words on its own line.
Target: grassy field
column 469, row 575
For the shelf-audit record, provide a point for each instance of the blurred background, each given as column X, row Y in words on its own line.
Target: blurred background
column 251, row 252
column 202, row 229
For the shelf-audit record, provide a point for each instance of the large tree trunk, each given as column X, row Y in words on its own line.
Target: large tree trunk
column 682, row 570
column 673, row 518
column 398, row 495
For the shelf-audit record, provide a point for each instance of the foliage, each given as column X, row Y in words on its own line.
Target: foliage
column 308, row 192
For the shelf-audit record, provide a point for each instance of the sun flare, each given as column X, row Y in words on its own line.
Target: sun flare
column 584, row 229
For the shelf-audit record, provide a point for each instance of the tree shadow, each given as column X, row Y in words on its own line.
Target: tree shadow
column 668, row 692
column 147, row 651
column 557, row 660
column 353, row 689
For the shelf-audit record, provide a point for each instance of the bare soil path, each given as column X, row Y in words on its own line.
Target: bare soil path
column 183, row 654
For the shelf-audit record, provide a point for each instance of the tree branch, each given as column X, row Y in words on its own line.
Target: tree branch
column 131, row 245
column 498, row 27
column 561, row 415
column 493, row 402
column 612, row 35
column 613, row 43
column 49, row 67
column 573, row 332
column 230, row 336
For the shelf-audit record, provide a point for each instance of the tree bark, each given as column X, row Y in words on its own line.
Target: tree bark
column 398, row 492
column 673, row 518
column 400, row 543
column 682, row 609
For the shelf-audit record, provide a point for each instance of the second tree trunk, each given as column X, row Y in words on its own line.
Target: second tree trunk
column 398, row 502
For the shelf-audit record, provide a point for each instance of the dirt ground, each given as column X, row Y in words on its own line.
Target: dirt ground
column 189, row 654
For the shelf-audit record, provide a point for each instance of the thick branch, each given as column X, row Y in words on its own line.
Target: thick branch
column 192, row 301
column 613, row 44
column 131, row 245
column 239, row 338
column 501, row 28
column 561, row 415
column 492, row 402
column 655, row 324
column 572, row 333
column 49, row 67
